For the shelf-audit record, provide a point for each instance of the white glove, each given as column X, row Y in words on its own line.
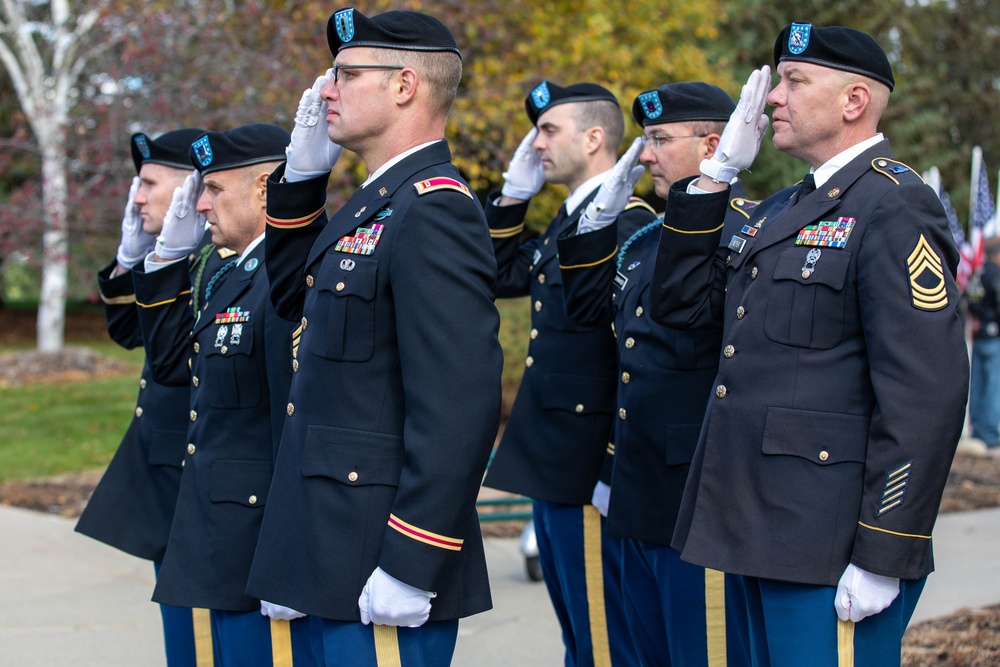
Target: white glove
column 601, row 498
column 740, row 140
column 136, row 243
column 279, row 613
column 386, row 600
column 614, row 193
column 525, row 175
column 861, row 594
column 310, row 152
column 183, row 225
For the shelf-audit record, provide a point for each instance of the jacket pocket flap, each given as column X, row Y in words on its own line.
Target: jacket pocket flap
column 682, row 440
column 352, row 457
column 243, row 482
column 824, row 438
column 829, row 269
column 577, row 393
column 348, row 275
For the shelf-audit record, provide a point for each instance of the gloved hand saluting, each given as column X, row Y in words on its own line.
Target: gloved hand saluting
column 525, row 175
column 740, row 140
column 861, row 594
column 614, row 193
column 136, row 243
column 183, row 225
column 279, row 613
column 311, row 152
column 386, row 600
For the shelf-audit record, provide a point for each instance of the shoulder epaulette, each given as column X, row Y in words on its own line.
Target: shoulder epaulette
column 638, row 202
column 743, row 205
column 226, row 253
column 441, row 183
column 895, row 171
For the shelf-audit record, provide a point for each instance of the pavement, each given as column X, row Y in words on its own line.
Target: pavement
column 68, row 601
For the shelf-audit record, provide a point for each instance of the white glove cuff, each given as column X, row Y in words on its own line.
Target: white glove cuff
column 163, row 252
column 293, row 176
column 516, row 193
column 718, row 172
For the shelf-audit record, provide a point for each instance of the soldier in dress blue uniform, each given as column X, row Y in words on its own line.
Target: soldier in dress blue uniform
column 843, row 377
column 371, row 523
column 133, row 505
column 234, row 353
column 677, row 612
column 553, row 445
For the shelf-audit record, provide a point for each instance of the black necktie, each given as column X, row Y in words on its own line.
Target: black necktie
column 807, row 187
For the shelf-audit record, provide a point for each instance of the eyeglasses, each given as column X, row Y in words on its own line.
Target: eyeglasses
column 337, row 68
column 656, row 141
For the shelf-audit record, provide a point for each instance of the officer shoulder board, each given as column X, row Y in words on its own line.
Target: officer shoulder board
column 743, row 205
column 441, row 183
column 895, row 171
column 638, row 202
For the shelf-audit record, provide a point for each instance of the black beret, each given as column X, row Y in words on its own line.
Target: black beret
column 679, row 102
column 833, row 46
column 239, row 147
column 546, row 95
column 170, row 149
column 406, row 30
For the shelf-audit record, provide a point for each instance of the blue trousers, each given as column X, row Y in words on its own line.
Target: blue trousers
column 184, row 634
column 581, row 566
column 357, row 645
column 792, row 625
column 984, row 390
column 248, row 639
column 682, row 615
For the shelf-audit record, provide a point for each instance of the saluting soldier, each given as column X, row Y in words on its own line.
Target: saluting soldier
column 133, row 505
column 843, row 377
column 234, row 353
column 554, row 442
column 678, row 613
column 371, row 523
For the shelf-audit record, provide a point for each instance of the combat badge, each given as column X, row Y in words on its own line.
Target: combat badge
column 826, row 233
column 928, row 290
column 362, row 242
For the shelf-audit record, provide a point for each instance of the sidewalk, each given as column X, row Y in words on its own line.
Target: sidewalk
column 68, row 601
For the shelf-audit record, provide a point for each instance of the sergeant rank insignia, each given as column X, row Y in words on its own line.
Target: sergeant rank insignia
column 362, row 242
column 928, row 290
column 826, row 233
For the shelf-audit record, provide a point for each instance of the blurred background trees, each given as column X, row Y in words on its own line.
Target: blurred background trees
column 215, row 64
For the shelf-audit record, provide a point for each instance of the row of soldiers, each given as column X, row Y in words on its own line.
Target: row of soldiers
column 736, row 418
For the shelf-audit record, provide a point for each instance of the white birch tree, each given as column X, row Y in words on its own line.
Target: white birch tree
column 41, row 48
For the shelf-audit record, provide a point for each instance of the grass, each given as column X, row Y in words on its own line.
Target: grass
column 52, row 429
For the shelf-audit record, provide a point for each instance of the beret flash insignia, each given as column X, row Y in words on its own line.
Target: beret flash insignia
column 540, row 96
column 202, row 151
column 651, row 106
column 143, row 145
column 345, row 24
column 798, row 38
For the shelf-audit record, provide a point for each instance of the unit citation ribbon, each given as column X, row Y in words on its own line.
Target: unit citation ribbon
column 363, row 241
column 826, row 233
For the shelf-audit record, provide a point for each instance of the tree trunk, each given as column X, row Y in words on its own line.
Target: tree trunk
column 52, row 299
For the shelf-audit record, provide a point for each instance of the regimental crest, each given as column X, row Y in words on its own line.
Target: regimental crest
column 344, row 19
column 652, row 108
column 541, row 96
column 203, row 151
column 798, row 38
column 143, row 145
column 928, row 290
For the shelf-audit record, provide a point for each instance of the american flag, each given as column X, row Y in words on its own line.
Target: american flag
column 980, row 219
column 965, row 250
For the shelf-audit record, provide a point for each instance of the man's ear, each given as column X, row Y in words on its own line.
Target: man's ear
column 406, row 83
